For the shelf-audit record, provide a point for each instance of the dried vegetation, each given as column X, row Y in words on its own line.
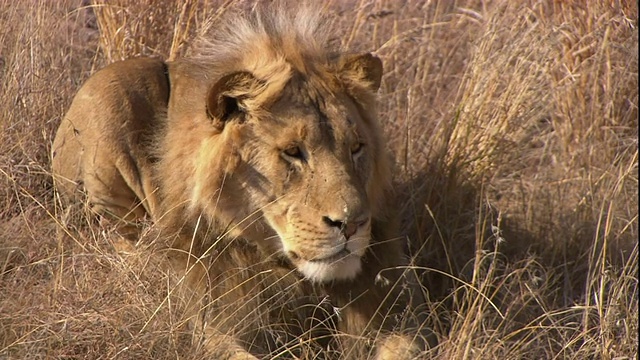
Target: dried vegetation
column 515, row 131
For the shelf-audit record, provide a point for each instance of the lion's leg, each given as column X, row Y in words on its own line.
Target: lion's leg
column 193, row 290
column 109, row 197
column 114, row 190
column 151, row 198
column 126, row 230
column 135, row 171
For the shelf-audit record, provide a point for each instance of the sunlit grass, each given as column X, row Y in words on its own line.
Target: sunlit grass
column 514, row 129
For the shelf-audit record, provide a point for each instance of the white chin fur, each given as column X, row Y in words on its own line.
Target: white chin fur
column 318, row 271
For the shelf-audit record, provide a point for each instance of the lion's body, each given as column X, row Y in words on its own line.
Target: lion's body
column 270, row 183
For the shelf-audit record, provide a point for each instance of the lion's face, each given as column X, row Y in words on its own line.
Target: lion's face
column 310, row 170
column 303, row 180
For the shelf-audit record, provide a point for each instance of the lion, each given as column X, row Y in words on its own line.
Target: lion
column 261, row 162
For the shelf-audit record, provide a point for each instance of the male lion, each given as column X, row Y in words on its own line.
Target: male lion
column 261, row 161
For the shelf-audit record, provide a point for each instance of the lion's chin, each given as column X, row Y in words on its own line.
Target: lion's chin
column 346, row 268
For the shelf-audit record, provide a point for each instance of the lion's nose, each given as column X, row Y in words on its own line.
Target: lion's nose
column 348, row 228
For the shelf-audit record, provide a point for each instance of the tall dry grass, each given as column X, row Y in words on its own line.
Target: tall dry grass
column 514, row 126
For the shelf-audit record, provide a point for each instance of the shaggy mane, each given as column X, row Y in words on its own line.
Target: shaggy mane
column 271, row 42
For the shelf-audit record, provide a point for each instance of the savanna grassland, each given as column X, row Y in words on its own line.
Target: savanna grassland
column 514, row 126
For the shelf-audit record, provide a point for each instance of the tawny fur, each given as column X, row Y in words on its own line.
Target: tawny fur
column 243, row 221
column 104, row 142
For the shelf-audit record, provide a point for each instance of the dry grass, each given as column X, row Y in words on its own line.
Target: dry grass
column 515, row 133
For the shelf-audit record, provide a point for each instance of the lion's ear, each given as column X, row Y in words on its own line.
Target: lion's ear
column 364, row 68
column 227, row 96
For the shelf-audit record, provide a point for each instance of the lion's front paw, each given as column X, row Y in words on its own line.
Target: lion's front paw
column 225, row 347
column 242, row 355
column 398, row 347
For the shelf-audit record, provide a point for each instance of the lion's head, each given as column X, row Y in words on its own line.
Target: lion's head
column 276, row 141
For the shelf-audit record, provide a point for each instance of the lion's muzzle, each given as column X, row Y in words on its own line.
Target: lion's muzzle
column 330, row 251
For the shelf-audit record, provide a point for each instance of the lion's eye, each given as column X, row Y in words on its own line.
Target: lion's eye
column 356, row 148
column 293, row 152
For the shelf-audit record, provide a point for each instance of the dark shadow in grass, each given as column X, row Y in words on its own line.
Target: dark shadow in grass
column 438, row 218
column 458, row 237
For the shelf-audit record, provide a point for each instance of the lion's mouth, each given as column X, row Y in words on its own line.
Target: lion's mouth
column 339, row 260
column 340, row 265
column 331, row 258
column 337, row 256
